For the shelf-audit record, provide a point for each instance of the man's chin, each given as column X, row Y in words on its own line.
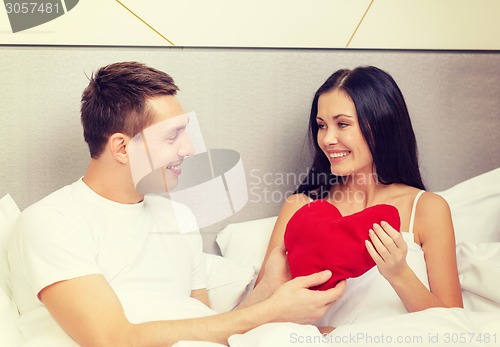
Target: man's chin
column 170, row 182
column 157, row 182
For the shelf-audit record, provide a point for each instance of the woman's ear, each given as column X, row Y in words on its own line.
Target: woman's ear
column 117, row 144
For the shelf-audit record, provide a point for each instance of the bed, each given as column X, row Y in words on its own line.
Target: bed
column 453, row 100
column 475, row 205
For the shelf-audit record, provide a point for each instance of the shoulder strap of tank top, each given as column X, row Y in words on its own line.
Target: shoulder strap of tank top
column 414, row 208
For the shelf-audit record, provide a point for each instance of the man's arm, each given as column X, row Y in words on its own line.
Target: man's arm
column 90, row 312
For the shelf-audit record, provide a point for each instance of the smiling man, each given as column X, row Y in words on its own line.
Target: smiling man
column 106, row 265
column 157, row 152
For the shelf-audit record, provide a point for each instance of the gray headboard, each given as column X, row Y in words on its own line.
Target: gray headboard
column 255, row 101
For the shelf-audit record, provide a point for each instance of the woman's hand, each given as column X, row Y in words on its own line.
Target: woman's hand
column 388, row 249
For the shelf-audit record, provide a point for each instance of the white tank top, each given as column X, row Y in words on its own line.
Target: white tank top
column 370, row 296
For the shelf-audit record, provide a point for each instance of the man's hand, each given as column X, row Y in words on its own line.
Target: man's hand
column 292, row 300
column 295, row 302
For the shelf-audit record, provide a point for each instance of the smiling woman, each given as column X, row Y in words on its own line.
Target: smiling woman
column 340, row 136
column 368, row 109
column 365, row 147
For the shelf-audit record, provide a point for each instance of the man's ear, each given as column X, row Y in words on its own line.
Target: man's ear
column 118, row 146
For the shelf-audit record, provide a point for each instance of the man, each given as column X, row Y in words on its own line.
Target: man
column 116, row 268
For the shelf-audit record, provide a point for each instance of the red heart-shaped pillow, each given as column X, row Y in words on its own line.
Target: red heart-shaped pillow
column 318, row 238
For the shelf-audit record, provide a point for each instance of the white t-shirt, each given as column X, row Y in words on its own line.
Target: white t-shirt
column 149, row 252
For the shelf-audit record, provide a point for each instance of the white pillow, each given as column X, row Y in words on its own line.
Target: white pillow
column 479, row 271
column 227, row 282
column 8, row 215
column 475, row 208
column 9, row 335
column 246, row 242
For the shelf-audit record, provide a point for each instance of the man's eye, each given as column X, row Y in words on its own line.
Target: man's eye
column 171, row 139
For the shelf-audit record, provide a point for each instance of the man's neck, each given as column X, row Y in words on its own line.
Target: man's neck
column 112, row 183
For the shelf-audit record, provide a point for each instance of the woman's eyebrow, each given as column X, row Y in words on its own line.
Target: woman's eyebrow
column 336, row 116
column 342, row 115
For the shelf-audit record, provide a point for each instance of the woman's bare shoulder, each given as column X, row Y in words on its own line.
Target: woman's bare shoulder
column 299, row 198
column 433, row 217
column 294, row 202
column 432, row 202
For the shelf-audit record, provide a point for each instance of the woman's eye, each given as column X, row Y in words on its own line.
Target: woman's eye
column 342, row 125
column 321, row 126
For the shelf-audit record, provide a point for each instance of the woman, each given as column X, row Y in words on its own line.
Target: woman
column 366, row 154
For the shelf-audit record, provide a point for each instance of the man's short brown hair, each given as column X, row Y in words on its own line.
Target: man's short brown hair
column 115, row 101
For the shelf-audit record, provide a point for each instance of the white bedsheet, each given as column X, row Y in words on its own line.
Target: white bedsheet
column 478, row 324
column 432, row 327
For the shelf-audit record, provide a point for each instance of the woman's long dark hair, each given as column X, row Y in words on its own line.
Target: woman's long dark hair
column 385, row 124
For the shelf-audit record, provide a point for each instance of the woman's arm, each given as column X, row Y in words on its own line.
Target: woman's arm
column 434, row 228
column 290, row 206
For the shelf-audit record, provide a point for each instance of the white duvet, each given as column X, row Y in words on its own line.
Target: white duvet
column 432, row 327
column 478, row 324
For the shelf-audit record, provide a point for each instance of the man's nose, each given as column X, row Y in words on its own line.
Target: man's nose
column 186, row 147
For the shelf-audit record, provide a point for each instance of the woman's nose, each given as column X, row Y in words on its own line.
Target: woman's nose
column 330, row 138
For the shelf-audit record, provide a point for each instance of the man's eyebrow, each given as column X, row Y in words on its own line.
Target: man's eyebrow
column 177, row 128
column 174, row 130
column 182, row 127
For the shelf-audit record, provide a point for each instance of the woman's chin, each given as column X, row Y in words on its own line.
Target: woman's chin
column 336, row 171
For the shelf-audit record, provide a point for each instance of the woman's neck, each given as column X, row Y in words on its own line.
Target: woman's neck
column 357, row 190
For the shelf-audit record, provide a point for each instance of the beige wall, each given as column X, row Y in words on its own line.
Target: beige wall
column 255, row 101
